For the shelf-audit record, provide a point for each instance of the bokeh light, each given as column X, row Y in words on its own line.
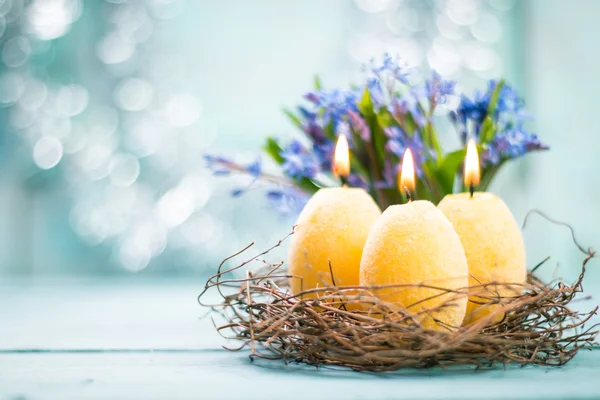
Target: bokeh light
column 47, row 152
column 455, row 37
column 128, row 139
column 133, row 94
column 50, row 19
column 183, row 109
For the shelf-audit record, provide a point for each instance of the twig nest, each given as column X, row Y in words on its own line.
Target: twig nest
column 493, row 245
column 332, row 229
column 541, row 327
column 415, row 245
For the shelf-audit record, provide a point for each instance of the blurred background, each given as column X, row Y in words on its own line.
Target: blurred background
column 107, row 107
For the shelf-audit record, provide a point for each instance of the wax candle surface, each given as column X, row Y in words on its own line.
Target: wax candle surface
column 411, row 244
column 493, row 245
column 333, row 226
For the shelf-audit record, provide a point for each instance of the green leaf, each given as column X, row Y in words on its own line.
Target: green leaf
column 378, row 139
column 448, row 169
column 432, row 140
column 432, row 189
column 365, row 105
column 317, row 82
column 487, row 131
column 273, row 149
column 488, row 175
column 329, row 131
column 392, row 195
column 357, row 167
column 293, row 117
column 374, row 150
column 384, row 118
column 358, row 156
column 494, row 99
column 410, row 126
column 423, row 192
column 307, row 185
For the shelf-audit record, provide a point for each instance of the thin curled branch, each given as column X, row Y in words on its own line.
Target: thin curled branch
column 588, row 251
column 350, row 327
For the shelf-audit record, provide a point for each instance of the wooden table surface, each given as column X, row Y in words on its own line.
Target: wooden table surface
column 147, row 340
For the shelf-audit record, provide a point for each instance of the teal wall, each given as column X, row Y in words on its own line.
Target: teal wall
column 559, row 64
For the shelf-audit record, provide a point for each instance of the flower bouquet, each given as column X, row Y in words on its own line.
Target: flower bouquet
column 393, row 110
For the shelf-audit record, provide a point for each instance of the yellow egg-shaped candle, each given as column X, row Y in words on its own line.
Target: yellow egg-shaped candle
column 332, row 228
column 415, row 244
column 493, row 245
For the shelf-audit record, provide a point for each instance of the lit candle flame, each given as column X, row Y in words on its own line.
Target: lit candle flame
column 471, row 172
column 407, row 174
column 341, row 157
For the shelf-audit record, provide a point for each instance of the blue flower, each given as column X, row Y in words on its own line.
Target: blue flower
column 333, row 104
column 390, row 66
column 376, row 92
column 255, row 168
column 224, row 166
column 288, row 201
column 324, row 153
column 399, row 141
column 355, row 180
column 473, row 109
column 510, row 109
column 408, row 104
column 390, row 170
column 212, row 160
column 311, row 125
column 437, row 89
column 508, row 98
column 511, row 144
column 360, row 126
column 511, row 139
column 298, row 163
column 218, row 164
column 312, row 97
column 343, row 128
column 237, row 192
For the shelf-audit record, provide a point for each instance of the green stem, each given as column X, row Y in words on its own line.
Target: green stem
column 430, row 137
column 376, row 176
column 432, row 140
column 488, row 175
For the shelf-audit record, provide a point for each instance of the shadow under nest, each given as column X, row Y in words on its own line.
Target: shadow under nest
column 536, row 327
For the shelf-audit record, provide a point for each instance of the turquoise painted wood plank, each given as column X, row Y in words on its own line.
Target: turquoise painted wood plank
column 223, row 375
column 100, row 314
column 162, row 350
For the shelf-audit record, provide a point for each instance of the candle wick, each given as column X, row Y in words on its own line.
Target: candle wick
column 344, row 180
column 471, row 189
column 408, row 196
